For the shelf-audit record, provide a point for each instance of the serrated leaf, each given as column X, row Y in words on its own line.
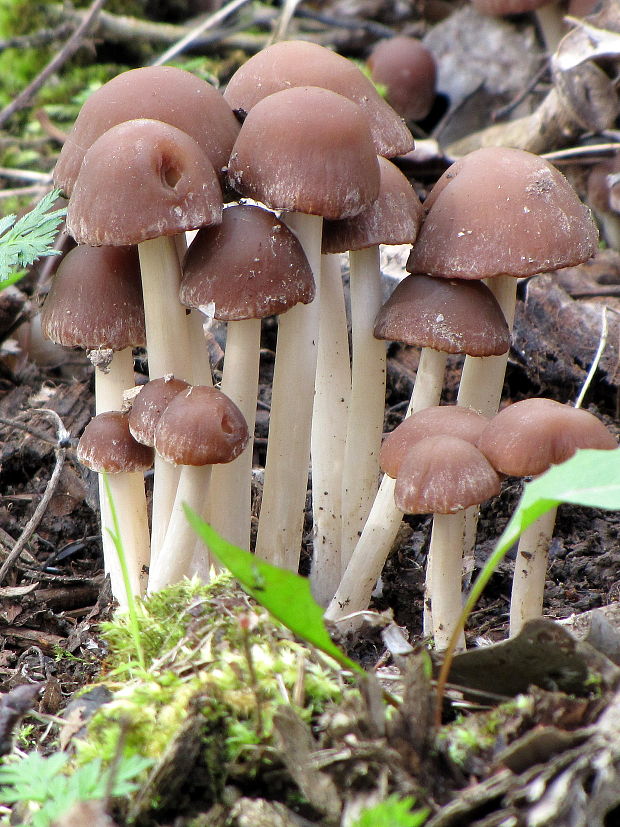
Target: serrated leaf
column 23, row 241
column 284, row 594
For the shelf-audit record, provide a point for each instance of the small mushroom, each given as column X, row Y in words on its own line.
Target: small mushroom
column 199, row 428
column 407, row 70
column 107, row 445
column 444, row 475
column 146, row 410
column 525, row 439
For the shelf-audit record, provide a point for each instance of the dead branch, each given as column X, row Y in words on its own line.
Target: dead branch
column 69, row 49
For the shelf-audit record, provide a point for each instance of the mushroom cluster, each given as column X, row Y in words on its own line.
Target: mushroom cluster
column 303, row 133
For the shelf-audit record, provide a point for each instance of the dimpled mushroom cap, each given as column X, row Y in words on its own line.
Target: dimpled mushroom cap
column 393, row 218
column 300, row 63
column 502, row 211
column 95, row 300
column 140, row 180
column 161, row 93
column 249, row 266
column 442, row 475
column 107, row 445
column 309, row 150
column 149, row 404
column 525, row 438
column 453, row 316
column 201, row 426
column 438, row 420
column 408, row 71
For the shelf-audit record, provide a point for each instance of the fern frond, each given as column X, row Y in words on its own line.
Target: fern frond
column 23, row 242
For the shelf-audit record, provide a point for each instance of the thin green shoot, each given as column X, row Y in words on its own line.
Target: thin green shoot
column 590, row 478
column 283, row 593
column 25, row 240
column 393, row 812
column 132, row 606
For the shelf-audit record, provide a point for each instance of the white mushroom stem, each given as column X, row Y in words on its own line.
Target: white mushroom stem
column 167, row 334
column 446, row 564
column 280, row 523
column 231, row 489
column 127, row 490
column 482, row 377
column 367, row 403
column 329, row 432
column 168, row 344
column 550, row 19
column 528, row 584
column 201, row 363
column 480, row 388
column 377, row 538
column 177, row 552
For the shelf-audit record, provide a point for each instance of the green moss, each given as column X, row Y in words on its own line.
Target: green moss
column 215, row 662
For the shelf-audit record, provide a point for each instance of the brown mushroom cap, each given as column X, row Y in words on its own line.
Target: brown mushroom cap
column 107, row 445
column 442, row 475
column 393, row 218
column 438, row 420
column 201, row 426
column 149, row 404
column 250, row 266
column 502, row 211
column 161, row 93
column 95, row 300
column 408, row 71
column 300, row 63
column 306, row 149
column 142, row 179
column 526, row 438
column 453, row 316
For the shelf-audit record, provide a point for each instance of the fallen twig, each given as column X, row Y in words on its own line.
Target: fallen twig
column 67, row 51
column 62, row 444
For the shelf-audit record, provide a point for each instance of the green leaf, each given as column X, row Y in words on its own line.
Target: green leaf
column 590, row 478
column 22, row 242
column 284, row 594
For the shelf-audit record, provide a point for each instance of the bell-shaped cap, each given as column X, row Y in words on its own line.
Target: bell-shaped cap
column 407, row 70
column 149, row 404
column 309, row 150
column 502, row 211
column 142, row 179
column 293, row 63
column 201, row 426
column 249, row 266
column 527, row 437
column 107, row 445
column 95, row 300
column 393, row 218
column 437, row 420
column 161, row 93
column 450, row 315
column 442, row 475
